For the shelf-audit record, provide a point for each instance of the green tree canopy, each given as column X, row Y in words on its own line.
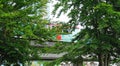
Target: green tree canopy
column 20, row 22
column 100, row 35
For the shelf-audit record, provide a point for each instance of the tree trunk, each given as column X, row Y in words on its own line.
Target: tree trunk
column 106, row 60
column 103, row 59
column 80, row 63
column 100, row 59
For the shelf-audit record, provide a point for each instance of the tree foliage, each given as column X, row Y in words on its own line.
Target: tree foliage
column 101, row 32
column 20, row 22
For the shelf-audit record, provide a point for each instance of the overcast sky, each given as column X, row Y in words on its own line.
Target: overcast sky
column 62, row 18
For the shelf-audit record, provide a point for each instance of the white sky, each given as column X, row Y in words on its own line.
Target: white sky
column 62, row 18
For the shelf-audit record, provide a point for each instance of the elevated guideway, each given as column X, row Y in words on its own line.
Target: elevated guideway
column 46, row 56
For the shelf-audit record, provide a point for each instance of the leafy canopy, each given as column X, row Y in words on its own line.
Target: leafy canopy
column 20, row 22
column 101, row 32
